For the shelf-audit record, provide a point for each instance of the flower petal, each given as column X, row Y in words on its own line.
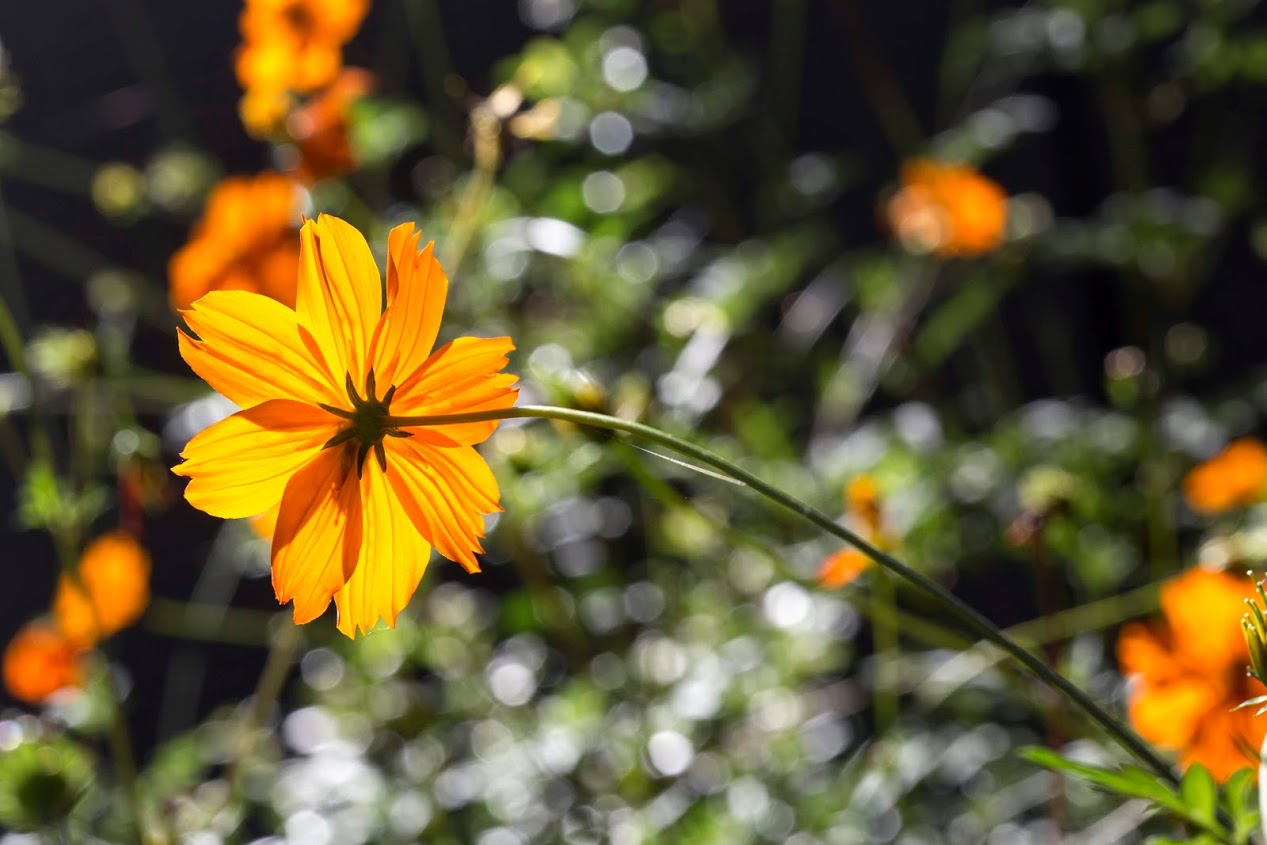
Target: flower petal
column 392, row 560
column 112, row 590
column 1142, row 652
column 416, row 292
column 1169, row 715
column 1203, row 609
column 461, row 376
column 340, row 295
column 241, row 465
column 445, row 492
column 253, row 349
column 1224, row 739
column 318, row 535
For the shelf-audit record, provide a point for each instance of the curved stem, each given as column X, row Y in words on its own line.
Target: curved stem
column 961, row 610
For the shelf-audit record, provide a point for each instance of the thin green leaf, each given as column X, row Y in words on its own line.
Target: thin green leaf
column 1131, row 782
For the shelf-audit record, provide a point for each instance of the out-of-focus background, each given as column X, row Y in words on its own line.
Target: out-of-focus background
column 984, row 279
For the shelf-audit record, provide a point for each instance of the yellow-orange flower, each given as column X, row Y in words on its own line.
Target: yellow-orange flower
column 39, row 661
column 320, row 127
column 319, row 386
column 1191, row 671
column 113, row 590
column 290, row 45
column 1235, row 477
column 862, row 507
column 950, row 209
column 244, row 241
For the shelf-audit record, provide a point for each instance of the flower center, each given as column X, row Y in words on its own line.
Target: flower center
column 367, row 422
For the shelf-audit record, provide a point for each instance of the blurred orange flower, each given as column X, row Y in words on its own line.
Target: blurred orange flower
column 113, row 590
column 39, row 661
column 843, row 568
column 320, row 386
column 244, row 241
column 949, row 209
column 1190, row 671
column 290, row 46
column 1235, row 477
column 320, row 127
column 862, row 507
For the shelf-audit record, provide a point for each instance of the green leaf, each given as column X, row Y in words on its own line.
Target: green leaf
column 1129, row 781
column 1240, row 800
column 1200, row 794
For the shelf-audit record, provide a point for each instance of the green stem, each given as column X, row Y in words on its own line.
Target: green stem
column 281, row 657
column 961, row 610
column 486, row 140
column 884, row 633
column 124, row 761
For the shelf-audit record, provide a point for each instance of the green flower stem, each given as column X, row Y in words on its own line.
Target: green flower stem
column 486, row 141
column 286, row 647
column 120, row 739
column 884, row 633
column 963, row 612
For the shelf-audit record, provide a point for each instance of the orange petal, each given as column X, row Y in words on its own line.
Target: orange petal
column 318, row 534
column 112, row 590
column 1169, row 715
column 416, row 292
column 253, row 349
column 445, row 492
column 340, row 294
column 241, row 465
column 1141, row 652
column 392, row 560
column 843, row 568
column 1203, row 609
column 1220, row 740
column 461, row 376
column 39, row 661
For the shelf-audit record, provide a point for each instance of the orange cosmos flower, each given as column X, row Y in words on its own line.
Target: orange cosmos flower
column 319, row 385
column 39, row 661
column 862, row 506
column 1191, row 671
column 290, row 45
column 244, row 241
column 949, row 209
column 113, row 590
column 320, row 127
column 1235, row 477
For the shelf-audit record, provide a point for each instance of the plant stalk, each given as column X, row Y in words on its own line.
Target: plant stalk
column 961, row 610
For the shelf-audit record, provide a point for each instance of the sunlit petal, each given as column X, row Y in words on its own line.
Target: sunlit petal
column 240, row 466
column 416, row 292
column 340, row 293
column 318, row 534
column 459, row 377
column 445, row 492
column 252, row 349
column 393, row 557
